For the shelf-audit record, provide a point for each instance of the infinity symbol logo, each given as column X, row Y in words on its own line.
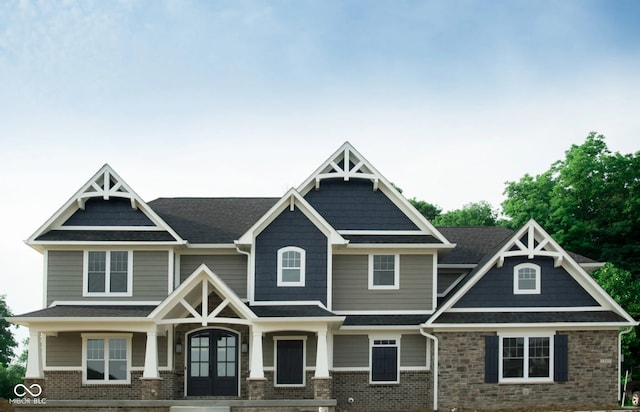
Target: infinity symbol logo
column 33, row 390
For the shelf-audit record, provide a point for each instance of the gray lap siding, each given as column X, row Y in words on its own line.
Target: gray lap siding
column 65, row 276
column 232, row 269
column 351, row 292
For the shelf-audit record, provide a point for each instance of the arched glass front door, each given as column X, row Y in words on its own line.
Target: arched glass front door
column 212, row 363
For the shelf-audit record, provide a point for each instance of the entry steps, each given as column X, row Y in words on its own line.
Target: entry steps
column 200, row 409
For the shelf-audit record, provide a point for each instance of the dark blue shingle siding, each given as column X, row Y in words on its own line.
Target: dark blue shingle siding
column 291, row 228
column 354, row 205
column 115, row 211
column 495, row 289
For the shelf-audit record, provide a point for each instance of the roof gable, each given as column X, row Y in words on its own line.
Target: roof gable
column 531, row 243
column 190, row 302
column 291, row 200
column 104, row 204
column 348, row 164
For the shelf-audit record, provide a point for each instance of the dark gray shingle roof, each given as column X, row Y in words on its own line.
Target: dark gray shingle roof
column 290, row 311
column 107, row 235
column 211, row 220
column 91, row 311
column 382, row 320
column 529, row 317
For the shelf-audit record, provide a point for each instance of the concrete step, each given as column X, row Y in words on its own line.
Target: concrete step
column 200, row 409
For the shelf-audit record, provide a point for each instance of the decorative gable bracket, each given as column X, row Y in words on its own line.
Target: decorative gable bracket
column 106, row 184
column 534, row 241
column 347, row 165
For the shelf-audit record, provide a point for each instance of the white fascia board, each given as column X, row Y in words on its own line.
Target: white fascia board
column 529, row 309
column 300, row 323
column 377, row 328
column 104, row 303
column 60, row 324
column 427, row 246
column 382, row 312
column 471, row 327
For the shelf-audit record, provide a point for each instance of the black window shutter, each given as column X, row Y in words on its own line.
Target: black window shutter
column 384, row 363
column 491, row 359
column 560, row 358
column 290, row 369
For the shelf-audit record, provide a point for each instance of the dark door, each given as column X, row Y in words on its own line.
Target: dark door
column 212, row 364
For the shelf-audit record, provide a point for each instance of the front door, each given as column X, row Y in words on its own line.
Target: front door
column 212, row 363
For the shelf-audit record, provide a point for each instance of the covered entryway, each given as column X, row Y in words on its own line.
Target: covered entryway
column 212, row 363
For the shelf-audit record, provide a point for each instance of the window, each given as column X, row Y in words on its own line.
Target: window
column 385, row 361
column 526, row 279
column 107, row 273
column 384, row 271
column 526, row 358
column 106, row 359
column 290, row 361
column 291, row 265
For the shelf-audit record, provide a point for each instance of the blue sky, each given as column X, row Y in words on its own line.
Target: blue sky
column 448, row 99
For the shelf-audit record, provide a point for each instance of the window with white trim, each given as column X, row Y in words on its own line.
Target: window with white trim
column 526, row 279
column 385, row 360
column 106, row 359
column 291, row 266
column 384, row 271
column 108, row 272
column 526, row 358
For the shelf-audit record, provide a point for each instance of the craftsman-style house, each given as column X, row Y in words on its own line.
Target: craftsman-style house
column 337, row 295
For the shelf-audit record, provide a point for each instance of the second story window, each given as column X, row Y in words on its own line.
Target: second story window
column 291, row 266
column 526, row 279
column 107, row 273
column 384, row 272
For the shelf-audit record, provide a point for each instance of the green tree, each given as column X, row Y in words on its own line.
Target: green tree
column 428, row 210
column 7, row 341
column 472, row 214
column 589, row 202
column 624, row 289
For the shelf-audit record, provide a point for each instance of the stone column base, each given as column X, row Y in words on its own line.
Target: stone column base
column 322, row 388
column 256, row 388
column 150, row 388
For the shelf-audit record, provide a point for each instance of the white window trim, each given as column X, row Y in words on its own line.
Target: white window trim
column 396, row 273
column 106, row 337
column 526, row 378
column 302, row 252
column 516, row 285
column 304, row 361
column 372, row 339
column 85, row 273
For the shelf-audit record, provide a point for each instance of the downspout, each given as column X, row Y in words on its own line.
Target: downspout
column 623, row 332
column 435, row 366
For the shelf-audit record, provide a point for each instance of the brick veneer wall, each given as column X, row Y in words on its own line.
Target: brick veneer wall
column 591, row 384
column 412, row 393
column 67, row 385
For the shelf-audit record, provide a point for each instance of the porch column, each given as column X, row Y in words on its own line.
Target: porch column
column 34, row 359
column 151, row 356
column 256, row 367
column 322, row 355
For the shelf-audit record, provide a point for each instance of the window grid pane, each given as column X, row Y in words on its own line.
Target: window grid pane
column 538, row 357
column 513, row 357
column 527, row 279
column 384, row 270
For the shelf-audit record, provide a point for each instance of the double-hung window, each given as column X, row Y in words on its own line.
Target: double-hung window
column 385, row 358
column 526, row 358
column 291, row 266
column 526, row 279
column 106, row 358
column 384, row 271
column 108, row 272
